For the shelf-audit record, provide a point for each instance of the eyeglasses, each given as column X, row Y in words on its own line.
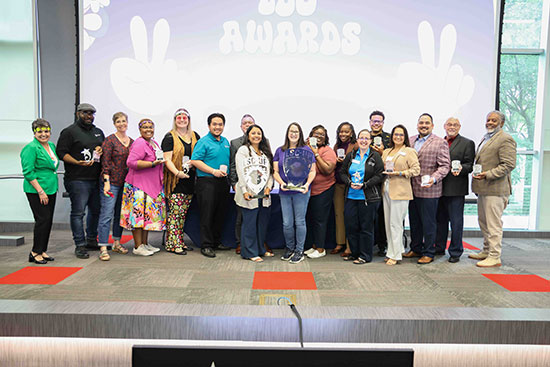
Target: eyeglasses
column 377, row 121
column 399, row 135
column 42, row 130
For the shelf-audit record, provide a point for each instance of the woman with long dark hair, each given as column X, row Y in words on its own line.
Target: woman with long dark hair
column 296, row 159
column 401, row 163
column 254, row 165
column 345, row 143
column 322, row 192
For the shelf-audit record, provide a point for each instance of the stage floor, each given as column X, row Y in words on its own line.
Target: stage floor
column 521, row 282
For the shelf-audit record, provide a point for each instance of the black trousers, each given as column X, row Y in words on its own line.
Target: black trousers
column 43, row 219
column 212, row 195
column 380, row 230
column 318, row 211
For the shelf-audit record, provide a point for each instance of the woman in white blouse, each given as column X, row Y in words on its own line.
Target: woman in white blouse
column 254, row 165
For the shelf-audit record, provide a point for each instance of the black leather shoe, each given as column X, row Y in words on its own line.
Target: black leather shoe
column 223, row 247
column 81, row 252
column 208, row 252
column 381, row 253
column 454, row 259
column 32, row 259
column 48, row 258
column 91, row 244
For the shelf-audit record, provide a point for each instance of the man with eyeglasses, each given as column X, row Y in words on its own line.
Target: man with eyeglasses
column 450, row 207
column 380, row 141
column 435, row 163
column 79, row 146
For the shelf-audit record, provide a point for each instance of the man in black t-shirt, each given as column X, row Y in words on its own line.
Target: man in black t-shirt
column 380, row 141
column 79, row 146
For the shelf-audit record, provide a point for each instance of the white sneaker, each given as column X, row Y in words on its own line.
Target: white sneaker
column 150, row 248
column 310, row 251
column 316, row 254
column 142, row 251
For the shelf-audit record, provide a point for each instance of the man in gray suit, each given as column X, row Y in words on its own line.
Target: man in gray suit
column 246, row 121
column 455, row 188
column 496, row 154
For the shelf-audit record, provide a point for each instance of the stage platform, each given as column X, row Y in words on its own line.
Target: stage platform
column 228, row 299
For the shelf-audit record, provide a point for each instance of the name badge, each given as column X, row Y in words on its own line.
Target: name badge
column 403, row 153
column 355, row 161
column 388, row 158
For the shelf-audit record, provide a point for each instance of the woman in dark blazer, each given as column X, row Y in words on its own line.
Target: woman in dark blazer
column 361, row 172
column 39, row 165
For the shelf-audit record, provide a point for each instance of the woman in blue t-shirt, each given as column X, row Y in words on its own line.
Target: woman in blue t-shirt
column 361, row 172
column 294, row 170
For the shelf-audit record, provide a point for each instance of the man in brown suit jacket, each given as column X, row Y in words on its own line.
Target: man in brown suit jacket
column 435, row 163
column 497, row 156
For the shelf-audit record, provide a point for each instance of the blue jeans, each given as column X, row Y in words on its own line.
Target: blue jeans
column 422, row 218
column 254, row 230
column 110, row 212
column 294, row 208
column 83, row 194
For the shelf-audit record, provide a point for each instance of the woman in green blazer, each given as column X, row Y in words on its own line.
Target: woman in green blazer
column 39, row 165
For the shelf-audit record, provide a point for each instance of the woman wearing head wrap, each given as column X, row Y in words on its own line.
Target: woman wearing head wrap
column 179, row 178
column 143, row 207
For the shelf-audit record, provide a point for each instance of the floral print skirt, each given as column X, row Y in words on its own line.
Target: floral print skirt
column 140, row 210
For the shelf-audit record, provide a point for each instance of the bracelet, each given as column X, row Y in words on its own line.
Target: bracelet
column 152, row 164
column 40, row 192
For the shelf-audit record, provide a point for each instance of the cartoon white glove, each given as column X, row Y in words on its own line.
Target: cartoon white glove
column 442, row 90
column 142, row 86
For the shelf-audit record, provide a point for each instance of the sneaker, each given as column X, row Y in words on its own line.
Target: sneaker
column 316, row 254
column 150, row 248
column 297, row 258
column 142, row 251
column 310, row 251
column 81, row 252
column 287, row 255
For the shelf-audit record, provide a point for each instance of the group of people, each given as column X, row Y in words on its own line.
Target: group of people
column 370, row 178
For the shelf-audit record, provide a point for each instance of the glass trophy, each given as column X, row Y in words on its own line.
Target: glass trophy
column 389, row 166
column 455, row 166
column 185, row 164
column 296, row 166
column 477, row 169
column 357, row 178
column 256, row 174
column 159, row 155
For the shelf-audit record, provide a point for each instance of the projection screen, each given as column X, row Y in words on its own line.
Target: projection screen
column 314, row 62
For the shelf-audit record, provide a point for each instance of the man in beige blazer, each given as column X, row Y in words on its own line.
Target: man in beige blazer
column 497, row 156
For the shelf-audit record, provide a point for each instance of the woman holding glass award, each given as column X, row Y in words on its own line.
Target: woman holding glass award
column 362, row 173
column 322, row 192
column 401, row 163
column 179, row 179
column 143, row 207
column 345, row 143
column 254, row 165
column 294, row 170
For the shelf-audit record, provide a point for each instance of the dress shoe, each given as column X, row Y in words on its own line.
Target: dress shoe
column 208, row 252
column 223, row 247
column 91, row 244
column 425, row 260
column 381, row 253
column 81, row 252
column 238, row 249
column 454, row 259
column 32, row 259
column 48, row 258
column 411, row 254
column 478, row 255
column 489, row 262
